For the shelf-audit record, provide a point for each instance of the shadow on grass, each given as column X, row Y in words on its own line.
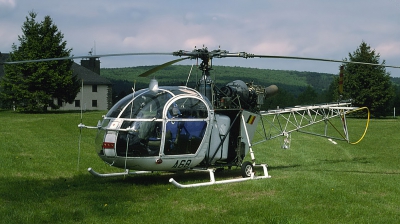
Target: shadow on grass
column 334, row 163
column 353, row 160
column 283, row 167
column 40, row 200
column 36, row 190
column 187, row 177
column 28, row 189
column 24, row 199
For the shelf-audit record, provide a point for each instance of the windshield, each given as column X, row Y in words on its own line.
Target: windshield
column 121, row 105
column 146, row 104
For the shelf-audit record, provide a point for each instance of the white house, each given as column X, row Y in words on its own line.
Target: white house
column 96, row 93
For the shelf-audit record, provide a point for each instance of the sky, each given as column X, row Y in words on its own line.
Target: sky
column 306, row 28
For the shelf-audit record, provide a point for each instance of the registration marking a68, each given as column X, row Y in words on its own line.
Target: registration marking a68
column 182, row 163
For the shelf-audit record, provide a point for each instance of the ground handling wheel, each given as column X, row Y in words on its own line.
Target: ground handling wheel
column 247, row 169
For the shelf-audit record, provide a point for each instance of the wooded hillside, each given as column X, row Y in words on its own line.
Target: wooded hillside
column 291, row 82
column 178, row 74
column 294, row 87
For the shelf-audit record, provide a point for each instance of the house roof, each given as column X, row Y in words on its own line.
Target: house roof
column 89, row 77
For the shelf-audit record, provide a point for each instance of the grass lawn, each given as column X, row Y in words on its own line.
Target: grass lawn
column 313, row 182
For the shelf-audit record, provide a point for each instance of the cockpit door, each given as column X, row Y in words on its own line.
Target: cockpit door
column 186, row 121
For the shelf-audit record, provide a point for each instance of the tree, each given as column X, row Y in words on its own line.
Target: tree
column 281, row 100
column 367, row 85
column 309, row 96
column 33, row 86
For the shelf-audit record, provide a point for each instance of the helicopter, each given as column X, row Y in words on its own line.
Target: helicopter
column 205, row 128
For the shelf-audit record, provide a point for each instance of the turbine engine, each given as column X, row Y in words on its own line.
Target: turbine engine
column 249, row 96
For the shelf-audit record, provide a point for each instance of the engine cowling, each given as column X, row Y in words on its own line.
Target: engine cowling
column 249, row 95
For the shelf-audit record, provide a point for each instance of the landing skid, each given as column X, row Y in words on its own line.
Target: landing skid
column 94, row 173
column 213, row 181
column 211, row 172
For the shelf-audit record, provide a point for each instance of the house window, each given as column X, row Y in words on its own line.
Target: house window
column 94, row 103
column 94, row 88
column 59, row 102
column 77, row 103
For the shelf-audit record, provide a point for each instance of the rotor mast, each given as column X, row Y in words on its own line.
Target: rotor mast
column 205, row 84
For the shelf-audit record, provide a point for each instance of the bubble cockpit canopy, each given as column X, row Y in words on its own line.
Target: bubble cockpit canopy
column 181, row 114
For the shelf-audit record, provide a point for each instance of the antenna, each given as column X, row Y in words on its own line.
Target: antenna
column 80, row 129
column 92, row 50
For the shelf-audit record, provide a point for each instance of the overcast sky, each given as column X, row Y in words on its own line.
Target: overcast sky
column 306, row 28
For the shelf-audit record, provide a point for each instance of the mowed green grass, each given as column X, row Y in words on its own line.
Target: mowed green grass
column 313, row 182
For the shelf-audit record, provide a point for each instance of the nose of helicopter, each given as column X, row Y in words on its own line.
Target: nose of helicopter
column 109, row 145
column 154, row 123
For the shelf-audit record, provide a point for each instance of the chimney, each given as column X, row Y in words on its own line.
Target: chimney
column 92, row 64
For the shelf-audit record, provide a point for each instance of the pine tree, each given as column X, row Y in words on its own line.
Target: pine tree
column 367, row 85
column 33, row 86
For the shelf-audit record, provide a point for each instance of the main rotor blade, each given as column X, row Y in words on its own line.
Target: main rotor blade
column 198, row 54
column 247, row 55
column 151, row 71
column 326, row 60
column 86, row 56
